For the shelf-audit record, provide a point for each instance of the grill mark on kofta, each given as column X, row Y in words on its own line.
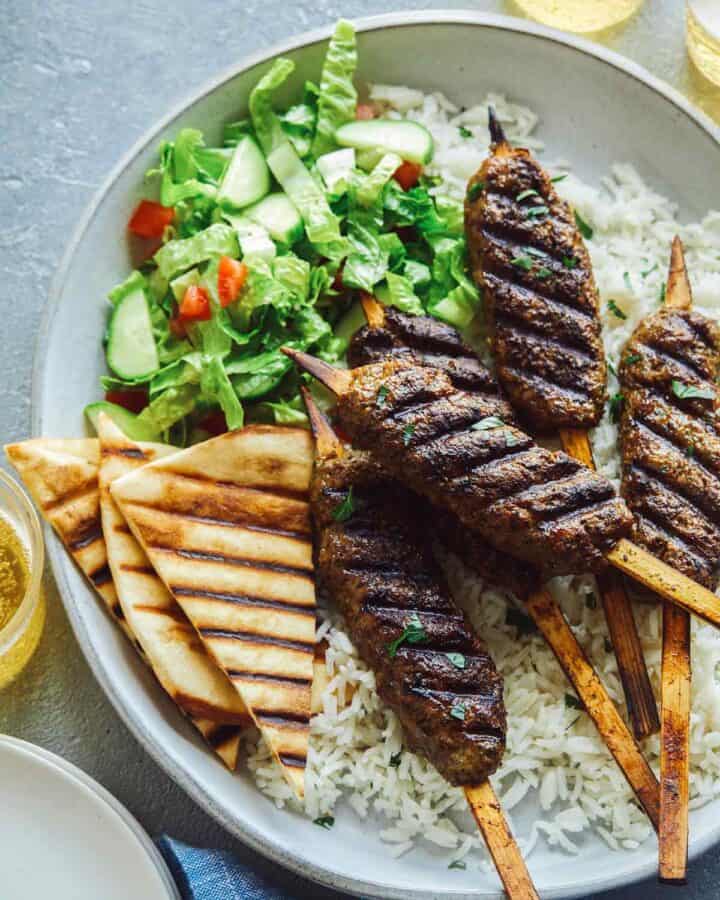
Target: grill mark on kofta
column 672, row 485
column 420, row 681
column 492, row 495
column 539, row 293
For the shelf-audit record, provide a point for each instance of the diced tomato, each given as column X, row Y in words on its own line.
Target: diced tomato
column 195, row 305
column 151, row 219
column 214, row 423
column 231, row 277
column 364, row 111
column 133, row 401
column 407, row 175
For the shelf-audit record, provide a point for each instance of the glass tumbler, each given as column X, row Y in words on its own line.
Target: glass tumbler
column 580, row 16
column 703, row 37
column 20, row 635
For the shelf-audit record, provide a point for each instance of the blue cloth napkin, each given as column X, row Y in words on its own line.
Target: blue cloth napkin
column 214, row 874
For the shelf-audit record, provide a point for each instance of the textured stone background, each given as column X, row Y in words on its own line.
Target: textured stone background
column 79, row 83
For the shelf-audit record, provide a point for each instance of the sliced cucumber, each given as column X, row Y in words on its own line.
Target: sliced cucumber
column 131, row 351
column 353, row 320
column 247, row 178
column 410, row 140
column 126, row 421
column 253, row 238
column 277, row 214
column 336, row 168
column 180, row 284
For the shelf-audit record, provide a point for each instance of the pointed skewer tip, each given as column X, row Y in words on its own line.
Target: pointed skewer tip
column 374, row 311
column 336, row 380
column 497, row 134
column 327, row 443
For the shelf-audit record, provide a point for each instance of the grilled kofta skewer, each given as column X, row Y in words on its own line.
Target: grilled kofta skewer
column 529, row 259
column 374, row 559
column 391, row 334
column 549, row 618
column 669, row 377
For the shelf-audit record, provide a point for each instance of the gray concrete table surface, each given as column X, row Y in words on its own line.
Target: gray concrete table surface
column 79, row 83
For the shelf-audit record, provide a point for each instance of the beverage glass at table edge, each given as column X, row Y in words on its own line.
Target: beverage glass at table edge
column 703, row 37
column 20, row 635
column 581, row 16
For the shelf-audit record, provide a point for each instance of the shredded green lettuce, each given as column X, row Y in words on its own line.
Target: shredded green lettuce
column 338, row 98
column 179, row 255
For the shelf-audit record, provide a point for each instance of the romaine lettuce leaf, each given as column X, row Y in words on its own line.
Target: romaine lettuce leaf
column 217, row 386
column 176, row 256
column 170, row 407
column 371, row 187
column 398, row 291
column 367, row 262
column 338, row 97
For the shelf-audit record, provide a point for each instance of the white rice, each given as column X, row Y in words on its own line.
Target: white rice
column 556, row 767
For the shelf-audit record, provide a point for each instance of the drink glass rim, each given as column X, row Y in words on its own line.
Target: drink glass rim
column 36, row 550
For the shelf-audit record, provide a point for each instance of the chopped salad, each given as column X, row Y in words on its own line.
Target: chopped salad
column 269, row 240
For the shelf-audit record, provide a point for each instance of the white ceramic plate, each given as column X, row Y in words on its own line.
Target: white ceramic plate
column 596, row 108
column 63, row 836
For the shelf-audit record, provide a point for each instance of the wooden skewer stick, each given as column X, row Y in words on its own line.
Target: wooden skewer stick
column 483, row 802
column 628, row 557
column 551, row 622
column 676, row 679
column 633, row 672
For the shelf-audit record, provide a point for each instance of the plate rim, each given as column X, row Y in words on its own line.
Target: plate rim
column 72, row 773
column 245, row 830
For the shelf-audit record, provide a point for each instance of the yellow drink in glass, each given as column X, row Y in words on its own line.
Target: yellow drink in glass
column 22, row 602
column 580, row 16
column 703, row 37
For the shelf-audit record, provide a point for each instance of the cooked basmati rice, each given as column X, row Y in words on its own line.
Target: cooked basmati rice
column 555, row 761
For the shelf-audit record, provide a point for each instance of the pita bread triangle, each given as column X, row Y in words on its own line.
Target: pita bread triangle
column 62, row 478
column 226, row 525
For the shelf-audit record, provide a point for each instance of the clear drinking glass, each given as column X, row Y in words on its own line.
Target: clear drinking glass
column 580, row 16
column 703, row 37
column 20, row 635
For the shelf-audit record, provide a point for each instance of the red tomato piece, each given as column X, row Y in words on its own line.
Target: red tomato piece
column 214, row 423
column 231, row 277
column 195, row 305
column 364, row 111
column 407, row 175
column 133, row 401
column 151, row 219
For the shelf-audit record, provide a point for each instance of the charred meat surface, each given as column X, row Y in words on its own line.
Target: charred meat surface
column 425, row 341
column 373, row 558
column 670, row 432
column 449, row 446
column 530, row 262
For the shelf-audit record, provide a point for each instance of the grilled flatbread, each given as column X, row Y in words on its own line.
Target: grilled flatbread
column 62, row 478
column 226, row 525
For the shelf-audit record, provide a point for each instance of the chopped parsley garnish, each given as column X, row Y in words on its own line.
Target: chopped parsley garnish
column 615, row 310
column 344, row 510
column 487, row 424
column 558, row 178
column 408, row 432
column 522, row 262
column 534, row 212
column 381, row 396
column 690, row 450
column 646, row 272
column 522, row 622
column 628, row 283
column 583, row 227
column 395, row 759
column 476, row 190
column 569, row 262
column 457, row 659
column 465, row 132
column 572, row 702
column 326, row 822
column 611, row 367
column 663, row 291
column 632, row 359
column 616, row 402
column 543, row 272
column 413, row 633
column 458, row 864
column 533, row 251
column 457, row 711
column 523, row 195
column 690, row 392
